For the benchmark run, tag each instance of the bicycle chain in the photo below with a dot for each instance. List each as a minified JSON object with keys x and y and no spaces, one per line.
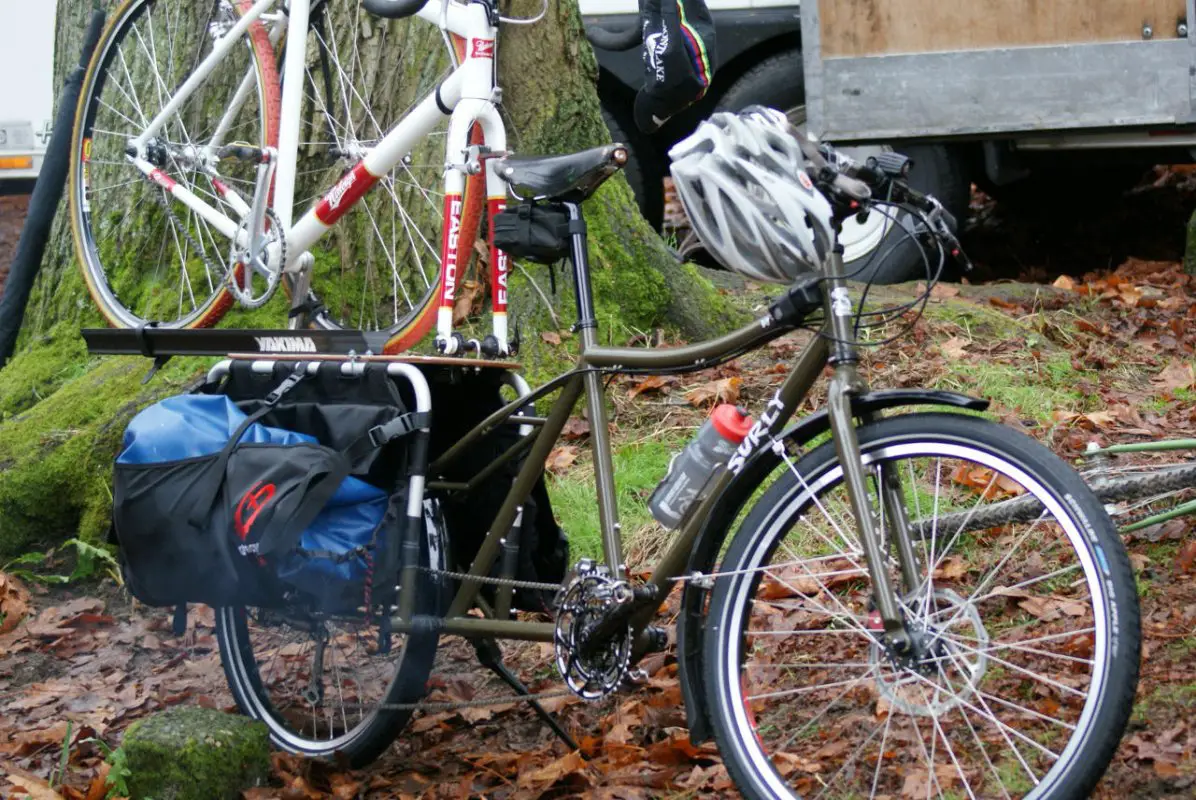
{"x":466,"y":577}
{"x":174,"y":218}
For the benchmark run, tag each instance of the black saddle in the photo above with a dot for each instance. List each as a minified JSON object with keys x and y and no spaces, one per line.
{"x":569,"y":179}
{"x":393,"y":9}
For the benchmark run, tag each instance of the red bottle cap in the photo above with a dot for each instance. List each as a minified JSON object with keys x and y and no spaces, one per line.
{"x":732,"y":423}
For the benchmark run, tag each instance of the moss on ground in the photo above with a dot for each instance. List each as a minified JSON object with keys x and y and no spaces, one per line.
{"x":195,"y":754}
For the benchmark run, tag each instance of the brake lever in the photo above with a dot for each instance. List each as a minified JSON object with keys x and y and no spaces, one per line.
{"x":944,"y":224}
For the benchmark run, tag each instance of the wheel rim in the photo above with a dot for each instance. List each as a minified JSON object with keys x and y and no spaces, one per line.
{"x":377,"y":269}
{"x":270,"y":658}
{"x":753,"y":714}
{"x":143,"y":263}
{"x":858,"y":238}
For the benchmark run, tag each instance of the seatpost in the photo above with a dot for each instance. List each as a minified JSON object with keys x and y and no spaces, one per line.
{"x":846,"y":383}
{"x":587,"y":325}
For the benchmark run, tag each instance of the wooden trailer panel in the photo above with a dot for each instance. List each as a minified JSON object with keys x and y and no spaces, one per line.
{"x":879,"y":70}
{"x":890,"y":27}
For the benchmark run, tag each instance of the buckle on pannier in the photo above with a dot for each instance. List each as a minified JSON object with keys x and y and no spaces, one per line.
{"x":289,"y":383}
{"x":397,"y":427}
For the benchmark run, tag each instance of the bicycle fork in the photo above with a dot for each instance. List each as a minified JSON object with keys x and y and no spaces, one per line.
{"x":846,"y":383}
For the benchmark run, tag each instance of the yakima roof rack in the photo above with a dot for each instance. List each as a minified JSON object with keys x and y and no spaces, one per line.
{"x":165,"y":342}
{"x":162,"y":344}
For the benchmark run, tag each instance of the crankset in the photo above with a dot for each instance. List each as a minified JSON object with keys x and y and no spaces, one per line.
{"x":593,"y":638}
{"x":259,"y":249}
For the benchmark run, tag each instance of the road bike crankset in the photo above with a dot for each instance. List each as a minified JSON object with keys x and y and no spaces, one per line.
{"x":259,"y":248}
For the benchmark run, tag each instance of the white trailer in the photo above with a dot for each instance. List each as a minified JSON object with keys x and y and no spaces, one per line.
{"x":26,"y":87}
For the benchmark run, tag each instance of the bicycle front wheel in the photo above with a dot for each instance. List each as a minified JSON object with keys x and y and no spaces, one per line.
{"x":378,"y":267}
{"x":1027,"y":638}
{"x":146,"y":256}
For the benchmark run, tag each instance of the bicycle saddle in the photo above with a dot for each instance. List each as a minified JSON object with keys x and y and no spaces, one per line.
{"x":393,"y":9}
{"x":571,"y":178}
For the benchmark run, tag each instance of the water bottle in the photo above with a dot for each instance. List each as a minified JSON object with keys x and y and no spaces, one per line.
{"x":690,"y":469}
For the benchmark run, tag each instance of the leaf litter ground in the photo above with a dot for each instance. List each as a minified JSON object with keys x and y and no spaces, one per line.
{"x":1111,"y":349}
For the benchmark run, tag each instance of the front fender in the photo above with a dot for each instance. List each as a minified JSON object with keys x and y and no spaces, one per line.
{"x":727,"y":507}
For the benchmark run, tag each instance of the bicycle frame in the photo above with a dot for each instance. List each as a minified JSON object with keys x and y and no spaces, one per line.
{"x":834,"y":347}
{"x":467,"y":97}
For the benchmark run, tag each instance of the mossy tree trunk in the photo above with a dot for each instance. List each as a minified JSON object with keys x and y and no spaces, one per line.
{"x":61,"y":411}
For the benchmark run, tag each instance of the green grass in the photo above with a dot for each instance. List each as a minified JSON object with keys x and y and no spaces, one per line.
{"x":1179,"y":701}
{"x":1035,"y":393}
{"x":639,"y":467}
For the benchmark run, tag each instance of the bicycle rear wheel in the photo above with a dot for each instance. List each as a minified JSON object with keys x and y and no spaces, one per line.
{"x":1029,"y":639}
{"x":145,"y":256}
{"x":333,"y":684}
{"x":378,"y":268}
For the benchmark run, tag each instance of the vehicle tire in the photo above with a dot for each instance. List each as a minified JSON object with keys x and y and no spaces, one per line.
{"x":145,"y":257}
{"x":877,"y":250}
{"x":279,"y":690}
{"x":642,"y":168}
{"x":1000,"y":717}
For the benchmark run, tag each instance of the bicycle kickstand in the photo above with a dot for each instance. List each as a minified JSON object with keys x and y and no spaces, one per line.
{"x":490,"y":656}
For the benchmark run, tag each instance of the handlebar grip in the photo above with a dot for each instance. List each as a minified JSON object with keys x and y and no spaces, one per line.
{"x":850,"y":187}
{"x":616,"y":41}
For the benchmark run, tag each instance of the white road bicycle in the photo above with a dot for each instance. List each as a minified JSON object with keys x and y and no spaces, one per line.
{"x":211,"y":161}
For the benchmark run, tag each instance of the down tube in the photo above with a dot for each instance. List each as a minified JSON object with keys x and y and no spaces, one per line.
{"x":779,"y":411}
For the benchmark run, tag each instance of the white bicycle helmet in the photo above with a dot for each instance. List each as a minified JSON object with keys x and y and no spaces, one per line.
{"x":742,"y":179}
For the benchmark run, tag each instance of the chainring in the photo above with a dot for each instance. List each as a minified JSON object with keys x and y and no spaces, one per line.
{"x":591,"y":672}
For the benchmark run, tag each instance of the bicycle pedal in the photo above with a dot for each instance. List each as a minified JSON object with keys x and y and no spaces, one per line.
{"x":634,"y":679}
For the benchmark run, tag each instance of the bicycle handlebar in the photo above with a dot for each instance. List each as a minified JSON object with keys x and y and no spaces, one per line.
{"x":617,"y":41}
{"x":843,"y":177}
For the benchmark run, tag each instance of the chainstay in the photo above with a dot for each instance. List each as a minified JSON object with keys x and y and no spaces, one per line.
{"x":1028,"y":509}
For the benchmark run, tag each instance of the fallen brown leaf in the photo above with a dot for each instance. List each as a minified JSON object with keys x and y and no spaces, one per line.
{"x":14,"y":602}
{"x":561,"y":458}
{"x":33,"y":787}
{"x":549,"y":774}
{"x":575,"y":428}
{"x":1186,"y":557}
{"x":951,"y":569}
{"x":652,"y":383}
{"x":469,"y":301}
{"x":954,"y":347}
{"x":721,"y":391}
{"x":550,"y":337}
{"x":1176,"y":375}
{"x":98,"y":788}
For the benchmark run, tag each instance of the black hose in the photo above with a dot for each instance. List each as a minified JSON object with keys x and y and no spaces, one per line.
{"x":44,"y":202}
{"x":617,"y":41}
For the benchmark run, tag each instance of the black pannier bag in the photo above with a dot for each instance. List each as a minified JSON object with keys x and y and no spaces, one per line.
{"x":264,"y":490}
{"x":461,"y":401}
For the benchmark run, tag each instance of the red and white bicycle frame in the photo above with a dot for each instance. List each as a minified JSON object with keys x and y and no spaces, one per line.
{"x":468,"y":97}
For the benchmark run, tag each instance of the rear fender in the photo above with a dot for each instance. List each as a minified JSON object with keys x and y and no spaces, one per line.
{"x":730,"y":503}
